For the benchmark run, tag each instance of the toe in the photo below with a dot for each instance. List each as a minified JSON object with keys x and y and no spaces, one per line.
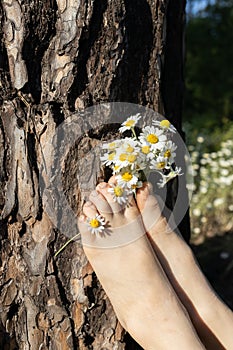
{"x":89,"y":209}
{"x":143,"y":195}
{"x":100,"y":203}
{"x":148,"y":206}
{"x":131,"y":211}
{"x":103,"y":190}
{"x":112,"y":180}
{"x":145,"y":198}
{"x":82,"y":218}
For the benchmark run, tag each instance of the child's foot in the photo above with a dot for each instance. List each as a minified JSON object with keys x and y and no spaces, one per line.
{"x":141,"y":295}
{"x":207,"y":312}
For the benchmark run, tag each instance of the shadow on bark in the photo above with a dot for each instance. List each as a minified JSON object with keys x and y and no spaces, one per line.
{"x":40,"y":30}
{"x":85,"y":45}
{"x":128,"y":80}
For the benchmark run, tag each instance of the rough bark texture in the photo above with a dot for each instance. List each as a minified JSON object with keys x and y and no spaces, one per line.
{"x":56,"y":58}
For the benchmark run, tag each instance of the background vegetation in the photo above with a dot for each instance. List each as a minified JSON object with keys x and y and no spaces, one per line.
{"x":208,"y":123}
{"x":209,"y":78}
{"x":208,"y":112}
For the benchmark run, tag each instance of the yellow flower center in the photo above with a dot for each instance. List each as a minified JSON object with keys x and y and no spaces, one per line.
{"x":152,"y":138}
{"x":167,"y":154}
{"x":112,"y":145}
{"x":129,"y":149}
{"x":116,"y":167}
{"x":145,"y":149}
{"x":94,"y":223}
{"x":132,"y":158}
{"x":160,"y":165}
{"x":130,"y":123}
{"x":118,"y":191}
{"x":127,"y":176}
{"x":123,"y":157}
{"x":111,"y":156}
{"x":165,"y":123}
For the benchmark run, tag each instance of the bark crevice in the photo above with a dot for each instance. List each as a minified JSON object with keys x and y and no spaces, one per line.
{"x":137,"y":45}
{"x":5,"y":83}
{"x":87,"y":39}
{"x":40,"y":28}
{"x":65,"y":302}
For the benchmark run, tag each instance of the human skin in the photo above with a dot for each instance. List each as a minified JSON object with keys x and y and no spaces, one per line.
{"x":210,"y":316}
{"x":139,"y":290}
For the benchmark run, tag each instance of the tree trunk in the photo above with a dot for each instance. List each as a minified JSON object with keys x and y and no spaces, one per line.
{"x":57,"y":58}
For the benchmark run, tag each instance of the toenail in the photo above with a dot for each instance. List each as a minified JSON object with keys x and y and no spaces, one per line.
{"x":82,"y":218}
{"x":102,"y":185}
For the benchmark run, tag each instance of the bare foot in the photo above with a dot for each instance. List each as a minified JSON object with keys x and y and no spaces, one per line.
{"x":143,"y":299}
{"x":212,"y":319}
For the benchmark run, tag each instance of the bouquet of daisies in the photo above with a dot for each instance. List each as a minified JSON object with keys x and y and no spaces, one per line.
{"x":132,"y":158}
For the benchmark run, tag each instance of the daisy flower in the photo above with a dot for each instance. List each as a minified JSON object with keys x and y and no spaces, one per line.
{"x":130,"y":122}
{"x":165,"y":125}
{"x":111,"y":146}
{"x":108,"y":158}
{"x":121,"y":159}
{"x":146,"y":151}
{"x":120,"y":194}
{"x":166,"y":178}
{"x":153,"y":137}
{"x":133,"y":161}
{"x":127,"y":154}
{"x":168,"y":151}
{"x":96,"y":224}
{"x":127,"y":178}
{"x":130,"y":145}
{"x":159,"y":163}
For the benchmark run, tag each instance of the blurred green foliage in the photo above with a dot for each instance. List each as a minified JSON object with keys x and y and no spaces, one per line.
{"x":209,"y":67}
{"x":213,"y":134}
{"x":208,"y":116}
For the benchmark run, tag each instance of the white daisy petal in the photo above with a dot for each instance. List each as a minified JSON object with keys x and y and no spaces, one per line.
{"x":168,"y":151}
{"x":108,"y":158}
{"x":153,"y":137}
{"x":112,"y":145}
{"x":146,"y":151}
{"x":120,"y":194}
{"x":130,"y":122}
{"x":166,"y":178}
{"x":96,"y":225}
{"x":165,"y":125}
{"x":127,"y":178}
{"x":159,"y":163}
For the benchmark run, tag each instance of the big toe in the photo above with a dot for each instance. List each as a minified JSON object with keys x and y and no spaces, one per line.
{"x":148,"y":206}
{"x":145,"y":199}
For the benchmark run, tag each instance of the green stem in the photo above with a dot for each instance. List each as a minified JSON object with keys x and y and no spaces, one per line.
{"x":143,"y":177}
{"x":70,"y":240}
{"x":134,"y":133}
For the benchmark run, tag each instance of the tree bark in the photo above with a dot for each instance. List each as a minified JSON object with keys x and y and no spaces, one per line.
{"x":56,"y":59}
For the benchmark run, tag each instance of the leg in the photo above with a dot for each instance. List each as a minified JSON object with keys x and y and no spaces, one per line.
{"x":131,"y":275}
{"x":212,"y":319}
